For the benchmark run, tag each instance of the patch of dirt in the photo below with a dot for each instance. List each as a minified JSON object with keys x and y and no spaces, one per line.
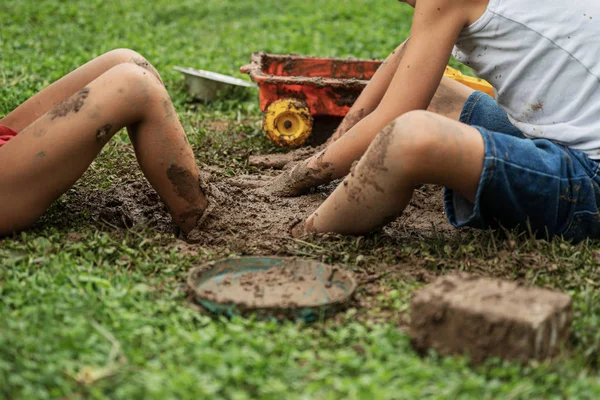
{"x":424,"y":215}
{"x":280,"y":160}
{"x":127,"y":204}
{"x":249,"y":219}
{"x":72,"y":104}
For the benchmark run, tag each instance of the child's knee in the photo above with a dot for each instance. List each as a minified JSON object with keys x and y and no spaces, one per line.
{"x":121,"y":56}
{"x":128,"y":56}
{"x":406,"y":142}
{"x":408,"y":133}
{"x":136,"y":83}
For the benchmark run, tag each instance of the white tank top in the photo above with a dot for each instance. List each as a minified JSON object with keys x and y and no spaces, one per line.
{"x":543,"y":59}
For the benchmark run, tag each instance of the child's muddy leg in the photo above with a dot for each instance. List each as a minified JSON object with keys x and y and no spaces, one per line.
{"x":49,"y":97}
{"x":46,"y":158}
{"x":419,"y":147}
{"x":166,"y":158}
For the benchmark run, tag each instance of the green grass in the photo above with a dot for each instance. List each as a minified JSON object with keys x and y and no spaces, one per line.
{"x":89,"y":311}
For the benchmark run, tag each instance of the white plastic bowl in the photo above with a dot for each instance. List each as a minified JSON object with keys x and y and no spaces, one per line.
{"x":207,"y":85}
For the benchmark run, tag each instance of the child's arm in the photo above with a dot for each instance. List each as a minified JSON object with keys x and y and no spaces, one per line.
{"x":435,"y":28}
{"x":372,"y":94}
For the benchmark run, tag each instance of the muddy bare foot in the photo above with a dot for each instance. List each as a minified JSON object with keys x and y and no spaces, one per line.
{"x":280,"y":160}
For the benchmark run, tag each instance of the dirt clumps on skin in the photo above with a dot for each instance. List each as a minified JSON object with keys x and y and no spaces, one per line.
{"x":349,"y":121}
{"x":185,"y":184}
{"x":142,"y":62}
{"x":102,"y":134}
{"x":486,"y":317}
{"x":72,"y":104}
{"x":371,"y":169}
{"x":300,"y":178}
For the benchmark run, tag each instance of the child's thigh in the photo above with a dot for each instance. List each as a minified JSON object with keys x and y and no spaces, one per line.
{"x":532,"y":184}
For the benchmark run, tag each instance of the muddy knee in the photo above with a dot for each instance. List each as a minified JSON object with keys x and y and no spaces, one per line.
{"x":123,"y":56}
{"x":137,"y":84}
{"x":403,"y":144}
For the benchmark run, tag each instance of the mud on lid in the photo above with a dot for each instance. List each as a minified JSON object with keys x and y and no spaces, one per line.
{"x":271,"y":287}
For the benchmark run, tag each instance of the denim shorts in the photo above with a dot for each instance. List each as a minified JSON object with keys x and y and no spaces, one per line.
{"x":527,"y":184}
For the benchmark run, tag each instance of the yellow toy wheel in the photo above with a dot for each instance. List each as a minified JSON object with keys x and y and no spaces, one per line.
{"x":288,"y":122}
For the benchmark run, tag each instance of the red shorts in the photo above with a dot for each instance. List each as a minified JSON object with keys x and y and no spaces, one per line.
{"x":6,"y":134}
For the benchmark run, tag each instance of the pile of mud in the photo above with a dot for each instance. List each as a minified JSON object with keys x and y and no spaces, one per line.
{"x":251,"y":220}
{"x":127,"y":204}
{"x":242,"y":219}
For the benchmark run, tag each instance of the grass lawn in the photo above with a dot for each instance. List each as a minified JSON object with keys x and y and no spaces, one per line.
{"x":93,"y":310}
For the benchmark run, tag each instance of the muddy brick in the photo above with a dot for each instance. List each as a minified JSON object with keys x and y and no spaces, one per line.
{"x":484,"y":317}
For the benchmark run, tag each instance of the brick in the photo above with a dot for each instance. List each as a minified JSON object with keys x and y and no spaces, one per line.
{"x":483,"y":317}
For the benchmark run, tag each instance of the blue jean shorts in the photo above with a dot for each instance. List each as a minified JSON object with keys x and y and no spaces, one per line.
{"x":527,"y":184}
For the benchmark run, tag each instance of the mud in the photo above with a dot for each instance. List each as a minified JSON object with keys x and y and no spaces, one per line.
{"x":131,"y":203}
{"x":168,"y":108}
{"x":300,"y":178}
{"x":103,"y":133}
{"x":280,"y":160}
{"x":485,"y":317}
{"x":242,"y":216}
{"x":349,"y":121}
{"x":184,"y":183}
{"x":247,"y":220}
{"x":72,"y":104}
{"x":372,"y":168}
{"x":344,"y":97}
{"x":142,"y":62}
{"x":278,"y":287}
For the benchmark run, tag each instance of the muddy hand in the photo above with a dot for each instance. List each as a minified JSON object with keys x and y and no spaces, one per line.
{"x":280,"y":160}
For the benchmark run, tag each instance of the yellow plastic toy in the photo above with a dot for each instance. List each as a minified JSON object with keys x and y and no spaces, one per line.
{"x":474,"y":83}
